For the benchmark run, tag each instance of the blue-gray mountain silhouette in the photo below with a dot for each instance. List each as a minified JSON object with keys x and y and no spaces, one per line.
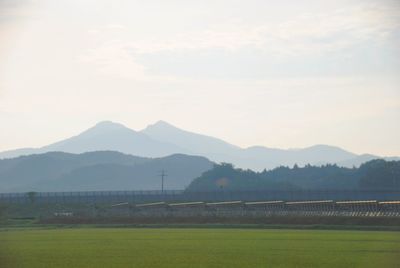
{"x":162,"y":139}
{"x":102,"y":170}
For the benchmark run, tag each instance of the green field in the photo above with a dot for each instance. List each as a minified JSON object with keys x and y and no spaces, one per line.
{"x":130,"y":247}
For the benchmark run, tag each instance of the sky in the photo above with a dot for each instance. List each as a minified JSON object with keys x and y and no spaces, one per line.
{"x":281,"y":74}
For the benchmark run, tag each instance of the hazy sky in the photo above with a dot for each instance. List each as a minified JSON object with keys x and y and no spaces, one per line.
{"x":275,"y":73}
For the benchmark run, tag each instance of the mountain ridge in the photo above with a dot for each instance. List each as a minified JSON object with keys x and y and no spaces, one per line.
{"x":162,"y":139}
{"x":101,"y":170}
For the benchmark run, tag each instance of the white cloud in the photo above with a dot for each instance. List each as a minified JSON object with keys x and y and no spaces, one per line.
{"x":304,"y":35}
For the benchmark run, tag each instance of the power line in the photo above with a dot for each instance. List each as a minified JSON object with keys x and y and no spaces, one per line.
{"x":162,"y":175}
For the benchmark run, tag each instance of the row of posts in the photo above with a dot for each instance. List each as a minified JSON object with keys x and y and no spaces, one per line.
{"x":180,"y":195}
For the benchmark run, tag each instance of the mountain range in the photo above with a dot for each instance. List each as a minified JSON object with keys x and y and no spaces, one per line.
{"x":101,"y":170}
{"x":162,"y":139}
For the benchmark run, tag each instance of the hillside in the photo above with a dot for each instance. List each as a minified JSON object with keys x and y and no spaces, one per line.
{"x":107,"y":170}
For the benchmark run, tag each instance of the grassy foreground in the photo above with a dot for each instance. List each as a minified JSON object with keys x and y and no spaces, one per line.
{"x":120,"y":247}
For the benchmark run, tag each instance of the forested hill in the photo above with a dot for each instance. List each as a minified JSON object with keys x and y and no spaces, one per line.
{"x":93,"y":171}
{"x":375,"y":174}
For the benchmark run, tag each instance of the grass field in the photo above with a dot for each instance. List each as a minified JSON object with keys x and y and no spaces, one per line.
{"x":129,"y":247}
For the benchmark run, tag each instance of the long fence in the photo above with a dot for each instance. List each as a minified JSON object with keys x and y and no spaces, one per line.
{"x":95,"y":197}
{"x":238,"y":211}
{"x":365,"y":208}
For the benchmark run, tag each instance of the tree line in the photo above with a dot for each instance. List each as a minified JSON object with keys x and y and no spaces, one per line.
{"x":373,"y":175}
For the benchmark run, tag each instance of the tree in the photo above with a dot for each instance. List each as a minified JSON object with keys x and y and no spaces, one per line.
{"x":380,"y":174}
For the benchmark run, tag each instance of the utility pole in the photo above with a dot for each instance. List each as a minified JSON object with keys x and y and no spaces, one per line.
{"x":162,"y":175}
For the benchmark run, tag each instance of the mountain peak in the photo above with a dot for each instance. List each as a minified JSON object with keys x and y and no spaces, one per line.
{"x":161,"y":123}
{"x":108,"y":124}
{"x":103,"y":128}
{"x":325,"y":147}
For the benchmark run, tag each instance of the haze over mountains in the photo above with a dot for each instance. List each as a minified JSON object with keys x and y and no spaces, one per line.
{"x":162,"y":139}
{"x":94,"y":171}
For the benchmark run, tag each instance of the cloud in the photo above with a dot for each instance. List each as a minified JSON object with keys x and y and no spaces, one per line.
{"x":304,"y":35}
{"x":307,"y":33}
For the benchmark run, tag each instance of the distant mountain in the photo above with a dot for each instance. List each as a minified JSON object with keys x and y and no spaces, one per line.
{"x":198,"y":144}
{"x":112,"y":136}
{"x":202,"y":144}
{"x":106,"y":135}
{"x":107,"y":170}
{"x":258,"y":157}
{"x":361,"y":159}
{"x":18,"y":152}
{"x":255,"y":157}
{"x":162,"y":139}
